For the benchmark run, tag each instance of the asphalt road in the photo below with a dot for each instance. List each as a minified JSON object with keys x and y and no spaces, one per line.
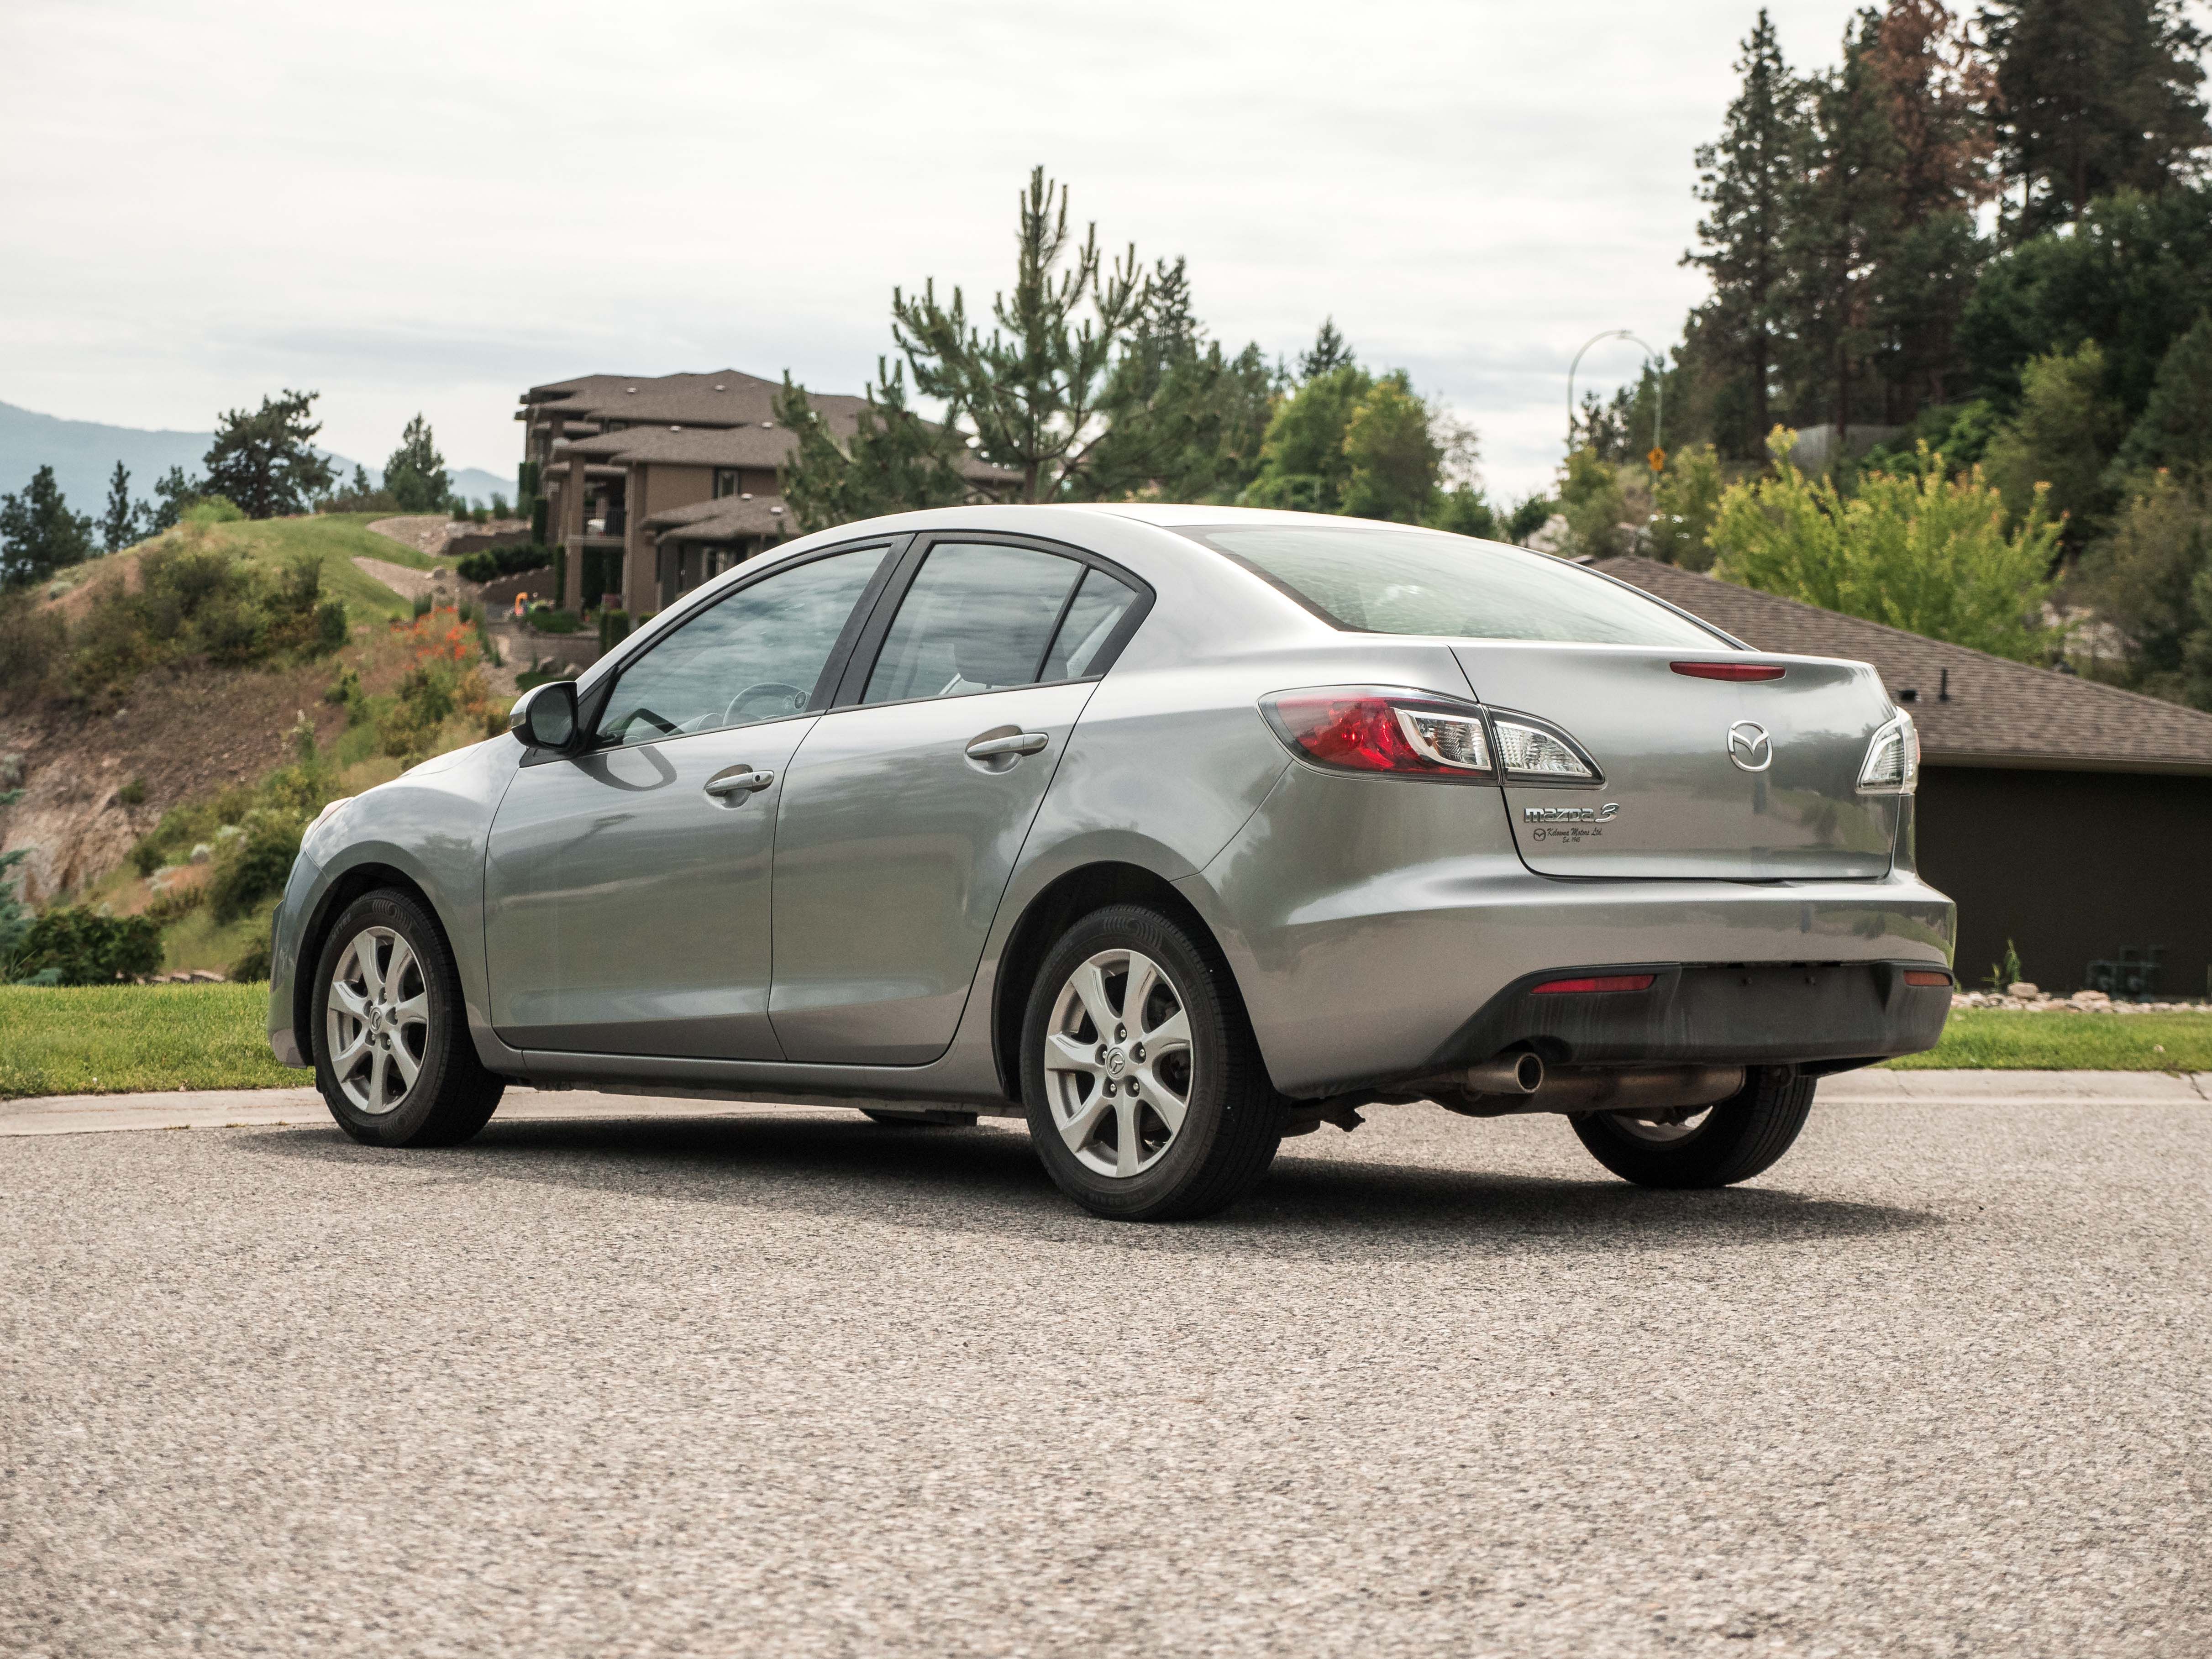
{"x":788,"y":1383}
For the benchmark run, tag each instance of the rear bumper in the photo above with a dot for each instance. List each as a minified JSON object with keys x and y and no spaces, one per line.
{"x":1824,"y":1015}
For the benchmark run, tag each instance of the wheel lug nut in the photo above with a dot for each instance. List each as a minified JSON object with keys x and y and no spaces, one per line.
{"x":1120,"y":1033}
{"x":1109,"y":1088}
{"x":1137,"y":1053}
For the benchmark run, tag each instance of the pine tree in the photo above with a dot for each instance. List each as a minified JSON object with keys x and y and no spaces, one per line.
{"x":1937,"y":90}
{"x":39,"y":534}
{"x":1039,"y":392}
{"x":2094,"y":96}
{"x":1190,"y":417}
{"x":894,"y":462}
{"x":415,"y":473}
{"x":1745,"y":179}
{"x":2175,"y":429}
{"x":264,"y":463}
{"x":124,"y":522}
{"x":172,"y":493}
{"x":1842,"y":217}
{"x":1329,"y":352}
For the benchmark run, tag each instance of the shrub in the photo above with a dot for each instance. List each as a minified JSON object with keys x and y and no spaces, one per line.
{"x":213,"y":509}
{"x":1924,"y":552}
{"x":549,"y":620}
{"x":490,"y":563}
{"x":256,"y":865}
{"x":253,"y":966}
{"x":70,"y":946}
{"x":132,"y":793}
{"x":172,"y":903}
{"x":33,"y":641}
{"x":1687,"y":494}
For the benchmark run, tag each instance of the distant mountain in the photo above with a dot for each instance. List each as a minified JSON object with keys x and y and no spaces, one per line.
{"x":83,"y":454}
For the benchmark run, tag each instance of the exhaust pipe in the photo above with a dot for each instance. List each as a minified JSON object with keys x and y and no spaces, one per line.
{"x":1507,"y":1074}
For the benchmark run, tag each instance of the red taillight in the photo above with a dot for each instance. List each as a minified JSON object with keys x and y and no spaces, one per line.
{"x":1729,"y":670}
{"x":1551,"y":987}
{"x":1925,"y":976}
{"x":1360,"y":732}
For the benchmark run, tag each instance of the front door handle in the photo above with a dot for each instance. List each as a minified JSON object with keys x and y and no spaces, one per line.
{"x":1014,"y":743}
{"x":738,"y":780}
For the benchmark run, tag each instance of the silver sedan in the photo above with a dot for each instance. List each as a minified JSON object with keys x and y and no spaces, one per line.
{"x":1177,"y":830}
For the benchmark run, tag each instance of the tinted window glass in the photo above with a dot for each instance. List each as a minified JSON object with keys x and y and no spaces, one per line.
{"x":977,"y":619}
{"x":753,"y":657}
{"x":1100,"y":605}
{"x":1420,"y":581}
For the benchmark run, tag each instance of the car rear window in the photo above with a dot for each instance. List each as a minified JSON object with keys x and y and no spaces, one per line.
{"x":1423,"y":582}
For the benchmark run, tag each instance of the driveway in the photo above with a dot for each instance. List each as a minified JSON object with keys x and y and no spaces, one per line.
{"x":777,"y":1381}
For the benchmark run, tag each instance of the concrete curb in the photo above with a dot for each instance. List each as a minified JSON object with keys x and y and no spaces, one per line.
{"x":239,"y":1108}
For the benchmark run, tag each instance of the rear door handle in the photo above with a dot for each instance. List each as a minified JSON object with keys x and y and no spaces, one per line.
{"x":738,"y":780}
{"x":1016,"y":742}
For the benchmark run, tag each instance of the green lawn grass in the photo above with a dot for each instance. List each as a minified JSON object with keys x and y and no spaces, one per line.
{"x":115,"y":1039}
{"x":2008,"y":1039}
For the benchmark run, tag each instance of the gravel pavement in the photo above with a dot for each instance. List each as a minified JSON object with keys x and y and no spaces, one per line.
{"x":781,"y":1382}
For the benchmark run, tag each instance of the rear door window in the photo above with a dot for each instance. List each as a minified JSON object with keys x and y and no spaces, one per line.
{"x":978,"y":617}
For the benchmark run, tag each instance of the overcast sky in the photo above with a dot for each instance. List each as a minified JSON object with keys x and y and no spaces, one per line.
{"x":413,"y":206}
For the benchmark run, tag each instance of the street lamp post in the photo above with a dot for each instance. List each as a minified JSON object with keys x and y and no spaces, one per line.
{"x":1659,"y":407}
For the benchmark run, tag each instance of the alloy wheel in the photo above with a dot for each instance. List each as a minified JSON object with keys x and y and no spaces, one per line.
{"x":1118,"y":1062}
{"x":379,"y":1020}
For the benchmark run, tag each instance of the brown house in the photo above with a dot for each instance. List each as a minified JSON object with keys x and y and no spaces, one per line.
{"x":651,"y":484}
{"x":2071,"y":819}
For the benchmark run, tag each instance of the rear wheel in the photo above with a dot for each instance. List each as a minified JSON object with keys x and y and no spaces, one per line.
{"x":1146,"y":1095}
{"x":393,"y":1059}
{"x":1715,"y":1146}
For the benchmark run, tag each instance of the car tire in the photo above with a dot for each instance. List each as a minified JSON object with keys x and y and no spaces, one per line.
{"x":388,"y":997}
{"x":1739,"y":1137}
{"x":1192,"y":1120}
{"x":932,"y":1118}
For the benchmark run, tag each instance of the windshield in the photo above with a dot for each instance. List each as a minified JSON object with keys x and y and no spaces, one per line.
{"x":1423,"y":582}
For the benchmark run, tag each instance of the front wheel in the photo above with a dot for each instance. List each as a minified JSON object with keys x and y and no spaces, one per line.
{"x":1714,"y":1147}
{"x":1147,"y":1097}
{"x":393,"y":1058}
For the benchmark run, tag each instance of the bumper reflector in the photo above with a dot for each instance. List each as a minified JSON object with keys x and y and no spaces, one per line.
{"x":1925,"y":976}
{"x":1599,"y":983}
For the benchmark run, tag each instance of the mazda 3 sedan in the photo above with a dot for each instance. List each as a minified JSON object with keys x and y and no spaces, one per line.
{"x":1174,"y":829}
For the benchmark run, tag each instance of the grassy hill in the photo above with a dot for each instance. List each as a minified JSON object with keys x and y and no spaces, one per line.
{"x":200,"y":697}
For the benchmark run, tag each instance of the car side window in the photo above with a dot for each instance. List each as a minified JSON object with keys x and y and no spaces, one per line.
{"x":978,"y":618}
{"x":1100,"y":605}
{"x":754,"y":656}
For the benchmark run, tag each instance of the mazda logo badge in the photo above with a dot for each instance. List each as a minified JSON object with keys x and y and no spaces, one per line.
{"x":1749,"y":746}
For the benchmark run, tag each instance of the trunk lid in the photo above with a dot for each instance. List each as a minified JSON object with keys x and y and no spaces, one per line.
{"x":1674,"y":803}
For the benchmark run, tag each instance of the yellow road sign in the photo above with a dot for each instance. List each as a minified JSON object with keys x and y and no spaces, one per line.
{"x":1657,"y":457}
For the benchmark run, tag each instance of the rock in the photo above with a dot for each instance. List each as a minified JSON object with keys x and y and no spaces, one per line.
{"x":202,"y":853}
{"x":11,"y":770}
{"x":229,"y":832}
{"x":205,"y":976}
{"x":2024,"y":989}
{"x":68,"y":825}
{"x":2091,"y":1000}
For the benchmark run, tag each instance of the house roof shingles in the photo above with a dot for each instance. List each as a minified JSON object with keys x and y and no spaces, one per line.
{"x":730,"y":518}
{"x":1999,"y":713}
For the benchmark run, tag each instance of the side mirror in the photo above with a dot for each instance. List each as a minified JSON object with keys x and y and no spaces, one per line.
{"x":544,"y":717}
